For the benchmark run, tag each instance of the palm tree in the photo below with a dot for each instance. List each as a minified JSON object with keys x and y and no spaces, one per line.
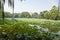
{"x":2,"y":2}
{"x":10,"y":3}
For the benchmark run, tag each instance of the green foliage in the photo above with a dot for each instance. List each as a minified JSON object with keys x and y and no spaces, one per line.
{"x":0,"y":4}
{"x":22,"y":31}
{"x":16,"y":15}
{"x":7,"y":15}
{"x":51,"y":14}
{"x":52,"y":25}
{"x":44,"y":14}
{"x":1,"y":21}
{"x":0,"y":13}
{"x":35,"y":15}
{"x":25,"y":15}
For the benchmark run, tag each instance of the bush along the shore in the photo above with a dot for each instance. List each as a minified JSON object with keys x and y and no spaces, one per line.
{"x":25,"y":31}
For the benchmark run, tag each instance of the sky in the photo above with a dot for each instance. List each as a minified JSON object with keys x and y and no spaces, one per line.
{"x":31,"y":5}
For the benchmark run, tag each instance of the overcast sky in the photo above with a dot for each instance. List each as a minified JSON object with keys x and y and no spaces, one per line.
{"x":31,"y":5}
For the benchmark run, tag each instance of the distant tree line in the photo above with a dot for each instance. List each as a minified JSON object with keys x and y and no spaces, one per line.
{"x":53,"y":14}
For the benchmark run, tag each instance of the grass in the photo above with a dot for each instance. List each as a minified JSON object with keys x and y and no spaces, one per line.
{"x":14,"y":30}
{"x":52,"y":25}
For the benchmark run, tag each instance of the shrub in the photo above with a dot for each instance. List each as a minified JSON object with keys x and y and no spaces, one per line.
{"x":22,"y":31}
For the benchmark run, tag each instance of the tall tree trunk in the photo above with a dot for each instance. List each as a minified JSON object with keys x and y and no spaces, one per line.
{"x":3,"y":12}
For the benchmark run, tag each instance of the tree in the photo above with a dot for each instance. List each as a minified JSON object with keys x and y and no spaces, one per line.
{"x":44,"y":14}
{"x":51,"y":14}
{"x":10,"y":3}
{"x":2,"y":2}
{"x":0,"y":10}
{"x":41,"y":15}
{"x":25,"y":15}
{"x":8,"y":15}
{"x":16,"y":15}
{"x":58,"y":18}
{"x":35,"y":15}
{"x":54,"y":13}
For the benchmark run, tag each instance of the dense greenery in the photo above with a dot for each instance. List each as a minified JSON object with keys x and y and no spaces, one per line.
{"x":25,"y":27}
{"x":53,"y":14}
{"x":23,"y":31}
{"x":52,"y":25}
